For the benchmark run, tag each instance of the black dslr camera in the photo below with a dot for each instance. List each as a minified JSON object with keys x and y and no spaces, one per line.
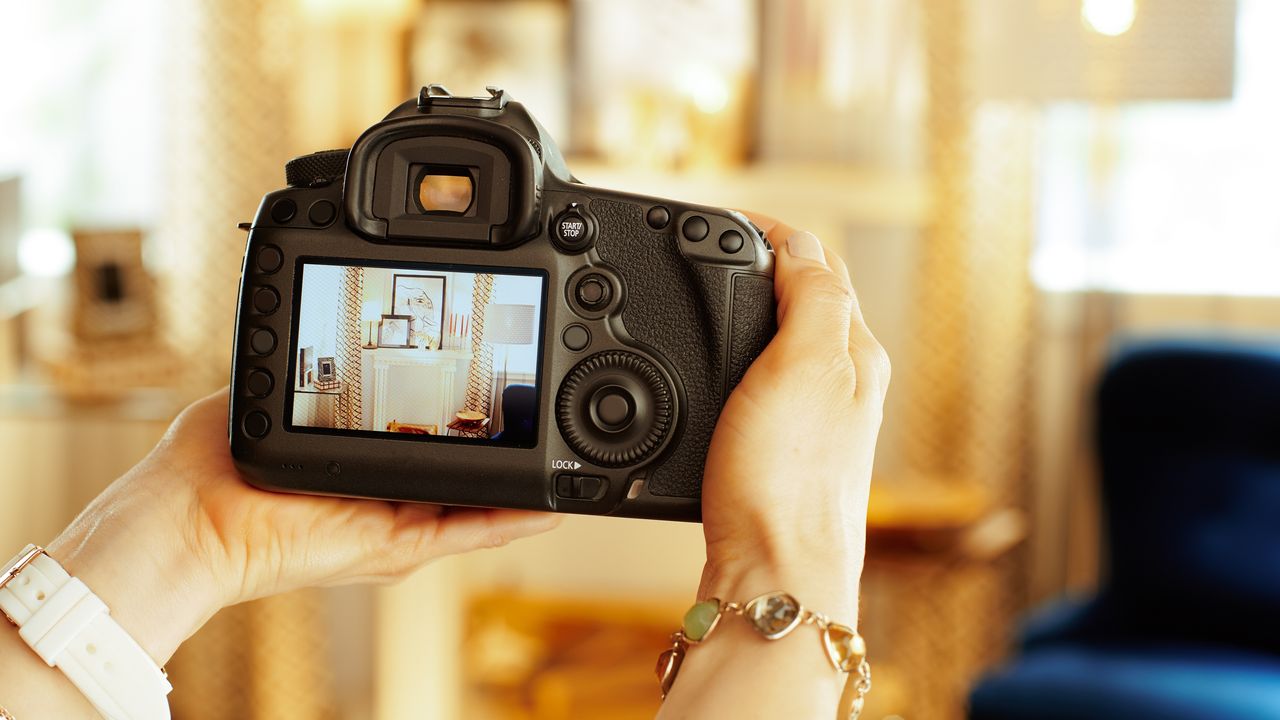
{"x":444,"y":314}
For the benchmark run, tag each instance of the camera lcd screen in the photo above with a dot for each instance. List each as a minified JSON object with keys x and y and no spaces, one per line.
{"x":422,"y":351}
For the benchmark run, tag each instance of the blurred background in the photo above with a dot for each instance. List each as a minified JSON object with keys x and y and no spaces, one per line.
{"x":1019,"y":186}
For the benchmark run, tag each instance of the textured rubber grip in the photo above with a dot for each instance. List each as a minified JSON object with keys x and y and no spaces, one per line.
{"x":317,"y":168}
{"x":707,"y":322}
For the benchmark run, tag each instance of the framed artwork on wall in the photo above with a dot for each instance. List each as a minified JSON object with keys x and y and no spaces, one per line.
{"x":421,"y":298}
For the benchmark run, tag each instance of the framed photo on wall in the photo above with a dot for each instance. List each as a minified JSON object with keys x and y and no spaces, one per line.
{"x":421,"y":298}
{"x":393,"y":331}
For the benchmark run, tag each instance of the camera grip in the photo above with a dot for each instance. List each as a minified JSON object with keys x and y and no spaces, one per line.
{"x":708,"y":322}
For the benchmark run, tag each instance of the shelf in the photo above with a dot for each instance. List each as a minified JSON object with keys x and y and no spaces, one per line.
{"x":795,"y":191}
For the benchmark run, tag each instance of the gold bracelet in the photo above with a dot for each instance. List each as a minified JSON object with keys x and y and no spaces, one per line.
{"x":774,"y":615}
{"x":4,"y":714}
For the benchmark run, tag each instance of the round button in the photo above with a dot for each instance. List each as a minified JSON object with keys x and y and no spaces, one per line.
{"x":262,"y":341}
{"x":259,"y":383}
{"x":283,"y":210}
{"x":731,"y":241}
{"x":270,"y":259}
{"x":593,"y":292}
{"x":256,"y":424}
{"x":322,"y":213}
{"x":576,"y":337}
{"x":657,"y":217}
{"x":695,"y":229}
{"x":266,"y":300}
{"x":612,"y":408}
{"x":332,"y":469}
{"x":572,"y":230}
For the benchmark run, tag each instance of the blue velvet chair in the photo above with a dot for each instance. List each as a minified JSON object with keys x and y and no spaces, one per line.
{"x":1186,"y":625}
{"x":518,"y":403}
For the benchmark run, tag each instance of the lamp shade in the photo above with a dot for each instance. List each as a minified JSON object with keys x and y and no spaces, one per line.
{"x":371,"y":310}
{"x":508,"y":324}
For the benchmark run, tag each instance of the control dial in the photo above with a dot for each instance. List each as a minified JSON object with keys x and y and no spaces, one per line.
{"x":614,"y":408}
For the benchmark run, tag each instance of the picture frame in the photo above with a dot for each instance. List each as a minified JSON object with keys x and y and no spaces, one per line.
{"x":114,"y":293}
{"x":326,"y":369}
{"x":422,"y":299}
{"x":394,"y":332}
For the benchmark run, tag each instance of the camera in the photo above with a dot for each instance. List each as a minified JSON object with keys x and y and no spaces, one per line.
{"x":445,"y":314}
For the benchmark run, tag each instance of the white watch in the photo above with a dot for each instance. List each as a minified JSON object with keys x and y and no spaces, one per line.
{"x":70,"y":629}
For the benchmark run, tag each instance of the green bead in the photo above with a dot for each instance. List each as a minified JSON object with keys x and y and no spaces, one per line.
{"x":700,"y":618}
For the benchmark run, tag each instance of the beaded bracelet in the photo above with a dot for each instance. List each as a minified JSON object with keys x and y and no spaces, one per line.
{"x":774,"y":615}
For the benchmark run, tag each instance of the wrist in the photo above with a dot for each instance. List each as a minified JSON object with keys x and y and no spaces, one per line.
{"x":138,"y":563}
{"x":827,"y":583}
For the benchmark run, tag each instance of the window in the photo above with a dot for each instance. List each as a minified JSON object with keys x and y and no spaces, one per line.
{"x":1175,"y":197}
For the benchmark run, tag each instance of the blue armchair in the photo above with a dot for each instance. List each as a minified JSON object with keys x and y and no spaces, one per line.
{"x":1187,"y":624}
{"x":518,"y":403}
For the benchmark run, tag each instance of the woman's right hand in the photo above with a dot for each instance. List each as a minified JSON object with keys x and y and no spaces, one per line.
{"x":784,"y":496}
{"x":789,"y":469}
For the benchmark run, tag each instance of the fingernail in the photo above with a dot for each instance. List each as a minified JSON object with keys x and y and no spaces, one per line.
{"x":806,"y":246}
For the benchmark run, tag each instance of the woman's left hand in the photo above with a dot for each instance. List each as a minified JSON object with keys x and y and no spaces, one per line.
{"x":181,"y":535}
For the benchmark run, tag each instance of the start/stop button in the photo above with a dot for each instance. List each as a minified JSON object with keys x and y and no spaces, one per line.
{"x":573,"y":229}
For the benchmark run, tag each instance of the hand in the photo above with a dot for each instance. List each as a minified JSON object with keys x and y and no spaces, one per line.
{"x":182,"y":535}
{"x":784,"y":497}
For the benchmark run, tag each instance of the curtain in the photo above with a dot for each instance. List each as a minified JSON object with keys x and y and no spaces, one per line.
{"x":226,"y":143}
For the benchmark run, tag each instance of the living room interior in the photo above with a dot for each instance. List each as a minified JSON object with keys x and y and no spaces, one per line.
{"x":415,"y":340}
{"x":1058,"y":216}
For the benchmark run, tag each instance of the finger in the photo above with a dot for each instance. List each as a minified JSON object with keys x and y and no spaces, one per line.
{"x":871,"y":363}
{"x":463,"y":529}
{"x":814,"y":302}
{"x":869,"y":357}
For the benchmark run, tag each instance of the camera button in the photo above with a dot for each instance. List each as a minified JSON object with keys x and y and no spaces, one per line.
{"x":731,"y":241}
{"x":266,"y":300}
{"x":256,"y":424}
{"x":322,"y":213}
{"x":576,"y":337}
{"x":572,"y":230}
{"x":259,"y":383}
{"x":696,"y":229}
{"x":262,"y":341}
{"x":657,"y":217}
{"x":270,"y":259}
{"x":613,"y":408}
{"x":593,"y":292}
{"x":283,"y":210}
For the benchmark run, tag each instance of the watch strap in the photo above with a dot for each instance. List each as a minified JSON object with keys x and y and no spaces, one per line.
{"x":71,"y":628}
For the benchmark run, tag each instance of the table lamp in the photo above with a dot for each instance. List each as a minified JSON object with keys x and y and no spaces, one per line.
{"x":370,"y":311}
{"x":508,"y":324}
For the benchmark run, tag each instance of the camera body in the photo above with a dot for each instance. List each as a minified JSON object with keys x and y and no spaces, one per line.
{"x":444,"y":314}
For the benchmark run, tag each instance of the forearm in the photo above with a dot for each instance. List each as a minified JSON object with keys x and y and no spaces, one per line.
{"x":738,"y":673}
{"x":30,"y":689}
{"x":151,"y":588}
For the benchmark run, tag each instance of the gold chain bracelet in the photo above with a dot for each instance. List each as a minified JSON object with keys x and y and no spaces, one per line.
{"x":774,"y":615}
